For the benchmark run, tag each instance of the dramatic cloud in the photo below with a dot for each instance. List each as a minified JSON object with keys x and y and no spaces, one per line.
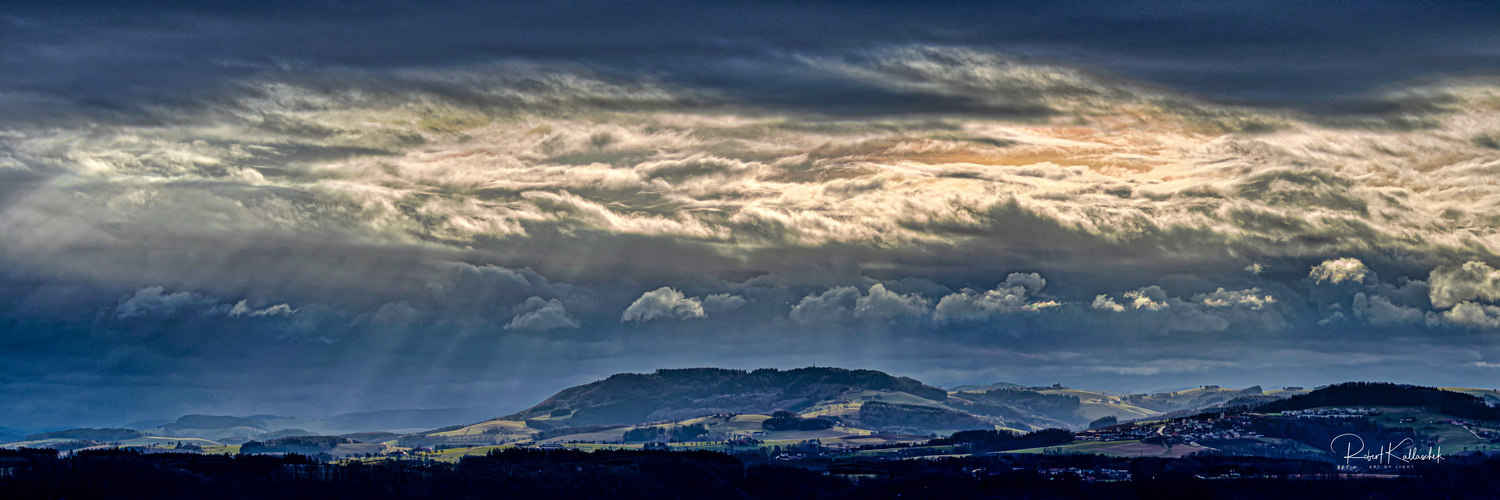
{"x":790,"y":198}
{"x":663,"y":303}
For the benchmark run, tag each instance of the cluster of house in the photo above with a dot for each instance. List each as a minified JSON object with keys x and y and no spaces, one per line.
{"x":1493,"y":436}
{"x":1087,"y":475}
{"x":1332,"y":413}
{"x":1121,"y":433}
{"x":1177,"y":431}
{"x":1216,"y":429}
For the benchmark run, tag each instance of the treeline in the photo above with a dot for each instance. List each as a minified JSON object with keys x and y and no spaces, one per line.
{"x":653,"y":474}
{"x":295,"y":444}
{"x":1387,"y":394}
{"x":987,"y":441}
{"x":675,"y":433}
{"x":788,"y":421}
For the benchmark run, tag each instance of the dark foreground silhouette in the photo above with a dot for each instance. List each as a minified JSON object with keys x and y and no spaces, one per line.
{"x":531,"y":474}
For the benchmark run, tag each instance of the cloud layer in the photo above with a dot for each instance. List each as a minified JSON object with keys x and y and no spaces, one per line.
{"x":556,"y":216}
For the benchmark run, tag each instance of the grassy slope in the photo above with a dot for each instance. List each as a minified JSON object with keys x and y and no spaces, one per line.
{"x":1097,"y":404}
{"x":503,"y":429}
{"x":1481,"y":393}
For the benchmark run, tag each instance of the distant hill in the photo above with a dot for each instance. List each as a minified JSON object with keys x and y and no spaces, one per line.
{"x":372,"y":437}
{"x":103,"y":435}
{"x":223,"y":428}
{"x":686,"y":393}
{"x":982,"y":388}
{"x":382,"y":420}
{"x":233,"y":429}
{"x":682,"y":393}
{"x":213,"y":422}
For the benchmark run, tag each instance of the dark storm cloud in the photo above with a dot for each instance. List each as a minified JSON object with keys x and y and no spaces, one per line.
{"x":109,"y":58}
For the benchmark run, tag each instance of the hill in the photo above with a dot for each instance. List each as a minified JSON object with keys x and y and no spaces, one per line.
{"x":105,"y":435}
{"x":1383,"y":394}
{"x":631,"y":398}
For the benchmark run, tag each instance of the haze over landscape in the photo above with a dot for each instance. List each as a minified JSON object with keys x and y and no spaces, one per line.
{"x":323,"y":209}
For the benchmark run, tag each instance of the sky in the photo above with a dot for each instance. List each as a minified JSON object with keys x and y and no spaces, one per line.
{"x":309,"y":208}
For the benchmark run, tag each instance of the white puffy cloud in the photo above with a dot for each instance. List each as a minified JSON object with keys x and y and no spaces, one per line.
{"x":834,"y":305}
{"x":846,"y":303}
{"x":1338,"y":271}
{"x":1467,"y":315}
{"x":880,"y":303}
{"x":1251,"y":299}
{"x":1451,"y":285}
{"x":663,"y":303}
{"x":1011,"y":296}
{"x":242,"y":308}
{"x":1105,"y":303}
{"x":1151,"y":307}
{"x":541,"y":314}
{"x":1151,"y":298}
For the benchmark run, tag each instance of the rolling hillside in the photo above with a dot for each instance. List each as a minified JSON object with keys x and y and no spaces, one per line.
{"x":632,"y":398}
